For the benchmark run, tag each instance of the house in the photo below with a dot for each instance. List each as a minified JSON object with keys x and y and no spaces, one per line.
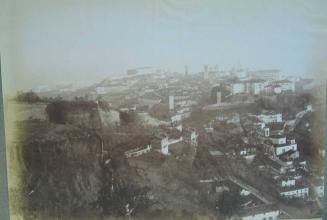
{"x":138,"y":151}
{"x":264,"y":212}
{"x":256,"y":86}
{"x":248,"y":152}
{"x":278,"y":139}
{"x":294,"y":191}
{"x":287,"y":181}
{"x":280,"y":149}
{"x":252,"y":86}
{"x":281,"y":145}
{"x":270,"y":117}
{"x":286,"y":85}
{"x":165,"y":143}
{"x":180,"y":101}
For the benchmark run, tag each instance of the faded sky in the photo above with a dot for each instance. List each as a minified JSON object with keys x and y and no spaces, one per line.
{"x":49,"y":42}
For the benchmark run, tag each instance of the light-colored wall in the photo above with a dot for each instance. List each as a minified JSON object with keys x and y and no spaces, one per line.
{"x":261,"y":216}
{"x":286,"y":148}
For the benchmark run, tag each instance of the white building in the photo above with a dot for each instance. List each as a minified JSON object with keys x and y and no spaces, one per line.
{"x":287,"y":182}
{"x":257,"y":86}
{"x":296,"y":191}
{"x":138,"y":151}
{"x":164,"y":146}
{"x":194,"y":138}
{"x":282,"y":146}
{"x":270,"y":118}
{"x":165,"y":143}
{"x":285,"y":85}
{"x":253,"y":86}
{"x":266,"y":212}
{"x":278,"y":140}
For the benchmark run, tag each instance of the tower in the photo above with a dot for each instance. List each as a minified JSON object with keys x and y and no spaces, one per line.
{"x":218,"y":97}
{"x":171,"y":103}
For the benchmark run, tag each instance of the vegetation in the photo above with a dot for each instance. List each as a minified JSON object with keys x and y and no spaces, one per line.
{"x":58,"y":111}
{"x":127,"y":117}
{"x":229,"y":203}
{"x":29,"y":97}
{"x":123,"y":199}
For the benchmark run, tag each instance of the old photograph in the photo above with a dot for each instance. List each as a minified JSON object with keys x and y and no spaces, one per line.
{"x":164,"y":109}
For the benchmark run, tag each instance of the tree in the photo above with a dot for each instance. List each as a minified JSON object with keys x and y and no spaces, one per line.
{"x":123,"y":199}
{"x":229,"y":203}
{"x":29,"y":97}
{"x":127,"y":117}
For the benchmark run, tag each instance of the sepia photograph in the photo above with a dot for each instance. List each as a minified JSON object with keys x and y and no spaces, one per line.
{"x":164,"y":109}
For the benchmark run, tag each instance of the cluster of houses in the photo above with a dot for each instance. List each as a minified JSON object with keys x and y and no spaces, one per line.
{"x":284,"y":161}
{"x":260,"y":86}
{"x":181,"y":101}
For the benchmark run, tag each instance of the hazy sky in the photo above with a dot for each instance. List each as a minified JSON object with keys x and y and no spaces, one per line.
{"x":56,"y":41}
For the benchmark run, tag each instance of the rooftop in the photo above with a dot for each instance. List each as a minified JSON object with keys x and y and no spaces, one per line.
{"x":293,"y":188}
{"x":283,"y":81}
